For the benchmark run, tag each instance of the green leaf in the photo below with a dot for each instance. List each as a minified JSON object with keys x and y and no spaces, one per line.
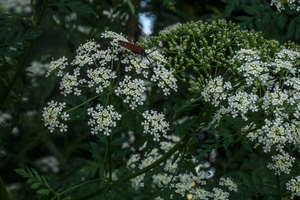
{"x":35,"y":185}
{"x":226,"y":143}
{"x":121,"y":154}
{"x":37,"y":180}
{"x":166,"y":110}
{"x":70,"y":101}
{"x":176,"y":107}
{"x":78,"y":113}
{"x":246,"y":145}
{"x":127,"y":121}
{"x":44,"y":191}
{"x":102,"y":138}
{"x":96,"y":151}
{"x":74,"y":6}
{"x":14,"y":38}
{"x":120,"y":141}
{"x":203,"y":152}
{"x":281,"y":20}
{"x":210,"y":141}
{"x":116,"y":130}
{"x":291,"y":29}
{"x":231,"y":5}
{"x":91,"y":168}
{"x":11,"y":33}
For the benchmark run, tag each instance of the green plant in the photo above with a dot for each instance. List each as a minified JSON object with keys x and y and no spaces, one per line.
{"x":211,"y":111}
{"x":238,"y":89}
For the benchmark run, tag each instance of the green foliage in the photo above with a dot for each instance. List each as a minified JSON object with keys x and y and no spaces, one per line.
{"x":258,"y":15}
{"x":16,"y":40}
{"x":36,"y":180}
{"x":87,"y":161}
{"x":71,"y":7}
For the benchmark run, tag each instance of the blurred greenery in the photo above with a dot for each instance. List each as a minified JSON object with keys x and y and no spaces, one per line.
{"x":31,"y":37}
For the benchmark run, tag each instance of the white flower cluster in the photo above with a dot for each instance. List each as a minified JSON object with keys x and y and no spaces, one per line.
{"x":86,"y":54}
{"x":181,"y":184}
{"x":282,"y":163}
{"x":100,"y":78}
{"x":103,"y":119}
{"x":274,"y":99}
{"x":137,"y":182}
{"x":241,"y":103}
{"x":135,"y":62}
{"x":220,"y":194}
{"x":280,"y":4}
{"x":133,"y":90}
{"x":68,"y":82}
{"x":155,"y":124}
{"x":114,"y":36}
{"x":185,"y":182}
{"x":275,"y":133}
{"x":262,"y":93}
{"x":252,"y":68}
{"x":164,"y":77}
{"x":59,"y":65}
{"x":228,"y":182}
{"x":51,"y":116}
{"x":216,"y":91}
{"x":294,"y":186}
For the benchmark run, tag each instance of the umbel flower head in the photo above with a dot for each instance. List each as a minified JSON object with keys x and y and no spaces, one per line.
{"x":241,"y":77}
{"x":95,"y":70}
{"x":103,"y":119}
{"x":235,"y":74}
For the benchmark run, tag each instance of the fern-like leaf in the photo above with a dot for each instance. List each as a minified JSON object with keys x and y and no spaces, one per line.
{"x":14,"y":40}
{"x":73,"y":6}
{"x":36,"y":179}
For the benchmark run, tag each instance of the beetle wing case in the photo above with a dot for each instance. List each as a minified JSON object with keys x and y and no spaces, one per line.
{"x":132,"y":47}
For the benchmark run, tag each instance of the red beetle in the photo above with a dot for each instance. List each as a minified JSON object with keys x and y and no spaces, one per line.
{"x":133,"y":47}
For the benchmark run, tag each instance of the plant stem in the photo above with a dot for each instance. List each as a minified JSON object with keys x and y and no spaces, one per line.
{"x":177,"y":147}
